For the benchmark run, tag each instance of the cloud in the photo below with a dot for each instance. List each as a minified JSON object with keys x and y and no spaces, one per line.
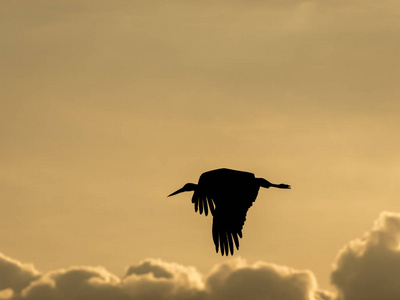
{"x":238,"y":280}
{"x":14,"y":274}
{"x":156,"y":279}
{"x":369,"y":267}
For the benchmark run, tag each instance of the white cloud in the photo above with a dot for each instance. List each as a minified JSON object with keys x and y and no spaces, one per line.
{"x":369,"y":267}
{"x":238,"y":280}
{"x":156,"y":279}
{"x":14,"y":274}
{"x":75,"y":283}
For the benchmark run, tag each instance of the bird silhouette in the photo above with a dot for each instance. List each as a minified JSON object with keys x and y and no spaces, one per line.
{"x":227,"y":194}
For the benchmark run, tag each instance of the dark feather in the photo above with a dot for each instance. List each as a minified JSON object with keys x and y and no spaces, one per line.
{"x":201,"y":205}
{"x":205,"y":206}
{"x":227,"y":195}
{"x":232,"y":197}
{"x":235,"y":237}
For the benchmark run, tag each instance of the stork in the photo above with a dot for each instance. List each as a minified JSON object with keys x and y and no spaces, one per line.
{"x":228,"y":195}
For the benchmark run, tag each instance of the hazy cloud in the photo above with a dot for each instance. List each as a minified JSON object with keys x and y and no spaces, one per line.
{"x":75,"y":283}
{"x":156,"y":279}
{"x":369,"y":267}
{"x":237,"y":280}
{"x":14,"y":274}
{"x":148,"y":267}
{"x":366,"y":268}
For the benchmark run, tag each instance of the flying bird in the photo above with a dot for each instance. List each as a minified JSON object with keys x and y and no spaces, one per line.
{"x":227,"y":194}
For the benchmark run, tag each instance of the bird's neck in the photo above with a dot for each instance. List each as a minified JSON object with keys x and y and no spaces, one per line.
{"x":263,"y":183}
{"x":191,"y":187}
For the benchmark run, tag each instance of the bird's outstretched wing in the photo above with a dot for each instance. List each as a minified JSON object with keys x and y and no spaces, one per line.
{"x":203,"y":202}
{"x":228,"y":222}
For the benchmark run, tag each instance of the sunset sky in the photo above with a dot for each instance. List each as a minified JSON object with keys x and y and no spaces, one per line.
{"x":109,"y":106}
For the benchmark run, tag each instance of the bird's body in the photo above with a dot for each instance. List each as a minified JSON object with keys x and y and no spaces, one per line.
{"x":227,"y":194}
{"x":223,"y":186}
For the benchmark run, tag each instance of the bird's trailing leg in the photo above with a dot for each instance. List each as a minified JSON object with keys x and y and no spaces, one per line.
{"x":281,"y":186}
{"x":266,"y":184}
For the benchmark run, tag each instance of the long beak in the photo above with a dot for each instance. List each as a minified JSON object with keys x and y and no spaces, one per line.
{"x":177,"y":192}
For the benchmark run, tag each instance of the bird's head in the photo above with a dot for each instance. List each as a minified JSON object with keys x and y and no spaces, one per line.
{"x":186,"y":188}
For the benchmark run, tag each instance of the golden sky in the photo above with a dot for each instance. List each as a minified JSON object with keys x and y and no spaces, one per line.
{"x":109,"y":106}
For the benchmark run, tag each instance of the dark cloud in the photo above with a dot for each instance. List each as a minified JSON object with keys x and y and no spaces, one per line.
{"x":146,"y":267}
{"x":75,"y":283}
{"x":156,"y":279}
{"x":324,"y":295}
{"x":15,"y":275}
{"x":237,"y":280}
{"x":365,"y":269}
{"x":369,"y":268}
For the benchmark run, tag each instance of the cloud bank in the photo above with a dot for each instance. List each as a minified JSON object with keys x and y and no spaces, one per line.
{"x":367,"y":268}
{"x":156,"y":279}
